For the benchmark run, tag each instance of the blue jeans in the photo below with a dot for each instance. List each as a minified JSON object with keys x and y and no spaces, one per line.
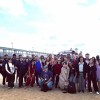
{"x":72,"y":78}
{"x":50,"y":84}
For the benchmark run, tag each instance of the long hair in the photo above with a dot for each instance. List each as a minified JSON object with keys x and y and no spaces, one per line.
{"x":80,"y":58}
{"x":94,"y":60}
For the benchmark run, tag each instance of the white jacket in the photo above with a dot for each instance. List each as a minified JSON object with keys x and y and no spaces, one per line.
{"x":12,"y":68}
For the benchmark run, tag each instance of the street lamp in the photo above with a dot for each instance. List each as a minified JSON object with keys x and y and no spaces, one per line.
{"x":12,"y":47}
{"x":33,"y":48}
{"x":45,"y":50}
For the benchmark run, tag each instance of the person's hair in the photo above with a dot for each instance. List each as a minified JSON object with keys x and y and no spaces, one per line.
{"x":14,"y":55}
{"x":87,"y":54}
{"x":64,"y":62}
{"x":73,"y":52}
{"x":9,"y":59}
{"x":41,"y":57}
{"x":91,"y":59}
{"x":5,"y":55}
{"x":97,"y":57}
{"x":94,"y":60}
{"x":80,"y":58}
{"x":31,"y":63}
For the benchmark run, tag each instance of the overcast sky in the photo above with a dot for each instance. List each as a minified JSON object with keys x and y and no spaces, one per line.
{"x":50,"y":25}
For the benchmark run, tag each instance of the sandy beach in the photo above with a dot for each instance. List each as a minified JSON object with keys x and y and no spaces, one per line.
{"x":35,"y":94}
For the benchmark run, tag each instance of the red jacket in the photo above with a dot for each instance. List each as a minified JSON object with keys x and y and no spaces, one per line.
{"x":57,"y":68}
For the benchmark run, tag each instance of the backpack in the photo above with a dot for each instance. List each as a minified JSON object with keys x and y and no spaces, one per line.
{"x":71,"y":88}
{"x":44,"y":87}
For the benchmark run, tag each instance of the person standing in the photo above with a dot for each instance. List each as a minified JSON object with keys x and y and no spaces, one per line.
{"x":57,"y":71}
{"x":91,"y":73}
{"x":72,"y":74}
{"x":81,"y":73}
{"x":27,"y":63}
{"x":21,"y":71}
{"x":10,"y":69}
{"x":64,"y":75}
{"x":98,"y":73}
{"x":14,"y":62}
{"x":4,"y":62}
{"x":38,"y":69}
{"x":31,"y":74}
{"x":87,"y":60}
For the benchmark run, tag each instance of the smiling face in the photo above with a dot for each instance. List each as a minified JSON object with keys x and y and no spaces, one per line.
{"x":65,"y":64}
{"x":81,"y":59}
{"x":21,"y":59}
{"x":91,"y":61}
{"x":87,"y":56}
{"x":59,"y":61}
{"x":10,"y":60}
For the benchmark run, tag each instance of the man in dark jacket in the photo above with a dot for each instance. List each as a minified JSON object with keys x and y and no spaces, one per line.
{"x":4,"y":62}
{"x":21,"y":70}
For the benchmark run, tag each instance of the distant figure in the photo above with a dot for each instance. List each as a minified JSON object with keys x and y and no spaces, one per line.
{"x":72,"y":74}
{"x":31,"y":74}
{"x":64,"y":75}
{"x":38,"y":69}
{"x":10,"y":69}
{"x":57,"y":71}
{"x":91,"y":72}
{"x":81,"y":73}
{"x":21,"y":71}
{"x":14,"y":62}
{"x":45,"y":81}
{"x":27,"y":63}
{"x":98,"y":73}
{"x":4,"y":62}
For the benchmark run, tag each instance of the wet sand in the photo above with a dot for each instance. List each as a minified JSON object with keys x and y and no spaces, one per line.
{"x":35,"y":94}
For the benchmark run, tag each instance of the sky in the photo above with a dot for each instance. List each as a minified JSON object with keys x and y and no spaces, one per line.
{"x":50,"y":25}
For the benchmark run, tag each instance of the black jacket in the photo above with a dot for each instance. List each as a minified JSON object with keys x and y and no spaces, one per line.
{"x":84,"y":70}
{"x":91,"y":71}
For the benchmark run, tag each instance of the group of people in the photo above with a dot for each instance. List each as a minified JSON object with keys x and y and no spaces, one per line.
{"x":58,"y":71}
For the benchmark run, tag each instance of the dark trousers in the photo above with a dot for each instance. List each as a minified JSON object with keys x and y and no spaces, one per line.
{"x":57,"y":80}
{"x":21,"y":80}
{"x":10,"y":79}
{"x":4,"y":74}
{"x":37,"y":75}
{"x":93,"y":80}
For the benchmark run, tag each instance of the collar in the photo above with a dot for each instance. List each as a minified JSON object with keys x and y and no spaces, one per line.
{"x":81,"y":63}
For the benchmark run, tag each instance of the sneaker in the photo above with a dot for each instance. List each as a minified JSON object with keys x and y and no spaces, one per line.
{"x":79,"y":91}
{"x":97,"y":93}
{"x":83,"y":91}
{"x":9,"y":87}
{"x":90,"y":92}
{"x":64,"y":92}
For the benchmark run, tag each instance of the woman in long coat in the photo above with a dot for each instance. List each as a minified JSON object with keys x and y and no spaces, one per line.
{"x":64,"y":75}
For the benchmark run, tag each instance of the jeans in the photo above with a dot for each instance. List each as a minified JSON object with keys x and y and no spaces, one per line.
{"x":57,"y":81}
{"x":10,"y":79}
{"x":93,"y":80}
{"x":50,"y":84}
{"x":81,"y":82}
{"x":21,"y":80}
{"x":72,"y":78}
{"x":37,"y":75}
